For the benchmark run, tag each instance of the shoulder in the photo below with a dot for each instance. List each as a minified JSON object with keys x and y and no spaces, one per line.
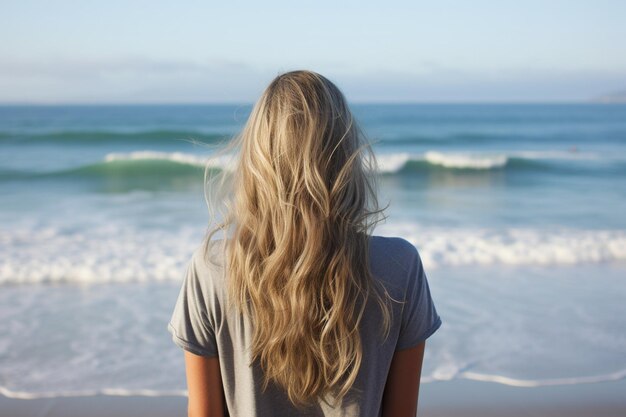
{"x":206,"y":264}
{"x":394,"y":261}
{"x":208,"y":255}
{"x":395,"y":249}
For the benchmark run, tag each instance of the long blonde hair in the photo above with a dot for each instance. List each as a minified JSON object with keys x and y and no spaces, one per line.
{"x":301,"y":203}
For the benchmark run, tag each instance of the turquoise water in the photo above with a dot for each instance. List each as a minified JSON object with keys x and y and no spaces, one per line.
{"x":517,"y":211}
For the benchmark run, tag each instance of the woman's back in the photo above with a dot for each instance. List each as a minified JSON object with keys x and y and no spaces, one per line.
{"x":203,"y":324}
{"x":301,"y":306}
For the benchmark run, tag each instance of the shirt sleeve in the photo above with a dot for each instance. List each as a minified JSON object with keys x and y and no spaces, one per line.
{"x":419,"y":315}
{"x":191,"y":324}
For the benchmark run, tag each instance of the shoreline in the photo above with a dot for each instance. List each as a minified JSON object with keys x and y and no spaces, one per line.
{"x":437,"y":399}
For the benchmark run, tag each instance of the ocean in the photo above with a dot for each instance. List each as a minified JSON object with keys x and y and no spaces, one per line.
{"x":517,"y":211}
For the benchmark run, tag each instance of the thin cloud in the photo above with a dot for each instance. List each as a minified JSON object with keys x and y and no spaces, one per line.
{"x":148,"y":80}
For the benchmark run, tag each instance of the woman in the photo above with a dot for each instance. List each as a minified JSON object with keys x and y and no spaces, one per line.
{"x":298,"y":310}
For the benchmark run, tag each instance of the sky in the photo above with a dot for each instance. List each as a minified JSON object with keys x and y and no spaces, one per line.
{"x":227,"y":52}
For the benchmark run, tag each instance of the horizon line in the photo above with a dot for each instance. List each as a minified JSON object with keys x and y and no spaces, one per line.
{"x":250,"y":103}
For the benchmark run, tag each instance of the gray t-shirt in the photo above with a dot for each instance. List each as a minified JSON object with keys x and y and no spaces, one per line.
{"x":203,"y":325}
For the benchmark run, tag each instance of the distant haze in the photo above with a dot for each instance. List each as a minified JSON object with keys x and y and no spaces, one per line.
{"x":198,"y":52}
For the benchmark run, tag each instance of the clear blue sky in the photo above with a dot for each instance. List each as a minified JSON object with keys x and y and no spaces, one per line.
{"x":200,"y":51}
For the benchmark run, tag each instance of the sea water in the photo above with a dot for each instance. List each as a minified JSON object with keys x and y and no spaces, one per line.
{"x":516,"y":210}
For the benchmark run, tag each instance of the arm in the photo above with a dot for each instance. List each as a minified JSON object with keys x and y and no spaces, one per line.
{"x":204,"y":383}
{"x":403,"y":382}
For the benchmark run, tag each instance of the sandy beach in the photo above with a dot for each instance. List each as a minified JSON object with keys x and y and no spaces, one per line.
{"x":437,"y":399}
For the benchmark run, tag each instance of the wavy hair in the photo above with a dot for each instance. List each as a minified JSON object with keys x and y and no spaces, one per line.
{"x":299,"y":204}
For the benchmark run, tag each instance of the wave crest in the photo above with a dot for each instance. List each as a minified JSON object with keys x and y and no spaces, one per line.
{"x":118,"y":254}
{"x":156,"y":163}
{"x":467,"y":161}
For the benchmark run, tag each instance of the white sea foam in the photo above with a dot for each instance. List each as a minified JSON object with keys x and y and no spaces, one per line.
{"x":465,"y":160}
{"x":118,"y":392}
{"x":392,"y":162}
{"x":495,"y":319}
{"x":490,"y":160}
{"x":110,"y":253}
{"x":556,"y":154}
{"x":387,"y":162}
{"x":528,"y":383}
{"x":439,"y":375}
{"x":498,"y":379}
{"x":224,"y":161}
{"x":513,"y":246}
{"x":107,"y":253}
